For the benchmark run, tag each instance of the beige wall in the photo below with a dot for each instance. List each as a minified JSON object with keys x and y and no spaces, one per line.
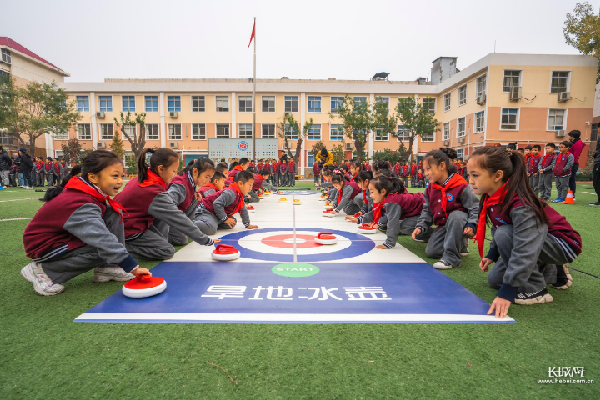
{"x":29,"y":70}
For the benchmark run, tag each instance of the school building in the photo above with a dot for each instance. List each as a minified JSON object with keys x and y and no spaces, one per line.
{"x":502,"y":98}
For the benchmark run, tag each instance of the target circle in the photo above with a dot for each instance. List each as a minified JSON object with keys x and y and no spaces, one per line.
{"x":286,"y":241}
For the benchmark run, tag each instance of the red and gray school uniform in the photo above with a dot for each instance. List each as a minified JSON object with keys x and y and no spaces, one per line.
{"x":283,"y":170}
{"x":316,"y":172}
{"x":181,"y":189}
{"x":402,"y":211}
{"x":421,"y":180}
{"x":518,"y":252}
{"x":452,"y":209}
{"x":397,"y":169}
{"x":76,"y":232}
{"x":259,"y":183}
{"x":405,"y":173}
{"x":413,"y":175}
{"x":208,"y":189}
{"x":348,"y":193}
{"x":48,"y":170}
{"x":65,"y":169}
{"x":292,"y":173}
{"x":364,"y":202}
{"x":234,"y":172}
{"x":277,"y":174}
{"x":545,"y":167}
{"x":562,"y":172}
{"x":151,"y":212}
{"x":533,"y":166}
{"x":41,"y":173}
{"x":215,"y":209}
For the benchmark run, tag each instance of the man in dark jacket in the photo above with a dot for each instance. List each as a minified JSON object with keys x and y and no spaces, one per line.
{"x":5,"y":164}
{"x":24,"y":167}
{"x":596,"y":173}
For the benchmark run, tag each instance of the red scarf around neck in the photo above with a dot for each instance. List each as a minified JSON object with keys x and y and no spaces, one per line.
{"x":78,"y":184}
{"x":238,"y":168}
{"x":211,"y":185}
{"x":455,"y":181}
{"x":240,"y":203}
{"x":377,"y":211}
{"x":152,"y":179}
{"x":488,"y":201}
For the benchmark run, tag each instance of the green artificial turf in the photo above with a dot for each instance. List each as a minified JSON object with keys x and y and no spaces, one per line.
{"x":43,"y":354}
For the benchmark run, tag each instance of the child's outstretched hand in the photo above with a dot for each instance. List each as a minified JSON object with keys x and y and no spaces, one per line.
{"x":252,"y":226}
{"x":416,"y":232}
{"x":198,"y":196}
{"x":230,"y":222}
{"x":141,"y":271}
{"x":216,"y":240}
{"x":500,"y":305}
{"x":469,"y":232}
{"x":350,"y":218}
{"x":485,"y":263}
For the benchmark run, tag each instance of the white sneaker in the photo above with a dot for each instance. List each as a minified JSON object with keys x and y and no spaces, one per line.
{"x":34,"y":273}
{"x":103,"y":275}
{"x":443,"y":264}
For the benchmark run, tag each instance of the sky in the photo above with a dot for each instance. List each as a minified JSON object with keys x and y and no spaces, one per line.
{"x":346,"y":39}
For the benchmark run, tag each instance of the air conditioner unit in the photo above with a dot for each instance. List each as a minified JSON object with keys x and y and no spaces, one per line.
{"x":349,"y":146}
{"x":101,"y":145}
{"x":173,"y":114}
{"x":515,"y":94}
{"x":100,"y":115}
{"x":563,"y":97}
{"x":481,"y":99}
{"x":461,"y":140}
{"x":446,"y":143}
{"x":173,"y":145}
{"x":6,"y":57}
{"x":561,"y":133}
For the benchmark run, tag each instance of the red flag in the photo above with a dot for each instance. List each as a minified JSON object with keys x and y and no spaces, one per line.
{"x":252,"y":36}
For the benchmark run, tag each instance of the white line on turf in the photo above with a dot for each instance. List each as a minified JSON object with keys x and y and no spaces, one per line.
{"x":7,"y":201}
{"x":294,"y":229}
{"x":12,"y":219}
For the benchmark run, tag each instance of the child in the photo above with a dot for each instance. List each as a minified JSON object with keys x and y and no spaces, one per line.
{"x":405,"y":171}
{"x":217,"y":210}
{"x":364,"y":203}
{"x":420,"y":182}
{"x":545,"y":167}
{"x":48,"y":171}
{"x":260,"y":181}
{"x":292,"y":173}
{"x":56,"y":172}
{"x":402,"y":210}
{"x":397,"y":168}
{"x":562,"y":170}
{"x":346,"y":172}
{"x":345,"y":192}
{"x":413,"y":174}
{"x":316,"y":172}
{"x":451,"y":205}
{"x":181,"y":189}
{"x":241,"y":166}
{"x":283,"y":171}
{"x":216,"y":184}
{"x":151,"y":211}
{"x":80,"y":228}
{"x":40,"y":172}
{"x":527,"y":152}
{"x":65,"y":167}
{"x":533,"y":168}
{"x":277,"y":173}
{"x":527,"y":235}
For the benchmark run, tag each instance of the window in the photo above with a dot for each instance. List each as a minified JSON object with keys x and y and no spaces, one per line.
{"x":129,"y":130}
{"x":336,"y":102}
{"x":222,"y":131}
{"x":460,"y":153}
{"x":60,"y":135}
{"x":291,"y":104}
{"x":222,"y":103}
{"x":403,"y":134}
{"x":245,"y":131}
{"x":560,"y":80}
{"x":481,"y":82}
{"x":446,"y":134}
{"x":461,"y":131}
{"x":428,"y":104}
{"x":447,"y":99}
{"x":198,"y":104}
{"x":268,"y":131}
{"x":151,"y":103}
{"x":427,"y":137}
{"x":381,"y":135}
{"x":511,"y":80}
{"x":336,"y":132}
{"x":314,"y":133}
{"x":198,"y":131}
{"x":5,"y":57}
{"x":105,"y":103}
{"x":479,"y":122}
{"x":152,"y":132}
{"x":4,"y":74}
{"x":268,"y":104}
{"x":314,"y":104}
{"x":83,"y":103}
{"x":359,"y":101}
{"x":311,"y":161}
{"x":174,"y":104}
{"x":556,"y":118}
{"x":128,"y":103}
{"x":84,"y":132}
{"x":462,"y":95}
{"x":510,"y":118}
{"x":106,"y":131}
{"x":385,"y":100}
{"x":245,"y":103}
{"x":290,"y":133}
{"x":174,"y":131}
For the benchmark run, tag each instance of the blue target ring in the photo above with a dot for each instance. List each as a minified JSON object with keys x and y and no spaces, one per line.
{"x":360,"y":245}
{"x":296,"y":192}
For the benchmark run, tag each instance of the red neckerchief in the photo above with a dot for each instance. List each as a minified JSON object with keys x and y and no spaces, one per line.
{"x":211,"y":185}
{"x":340,"y":193}
{"x":152,"y":179}
{"x":545,"y":157}
{"x":488,"y":201}
{"x":238,"y":168}
{"x":240,"y":203}
{"x":79,"y":184}
{"x":377,"y":211}
{"x":455,"y":181}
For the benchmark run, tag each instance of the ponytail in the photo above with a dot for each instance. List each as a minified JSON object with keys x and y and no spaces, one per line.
{"x":364,"y":176}
{"x":162,"y":156}
{"x":389,"y":184}
{"x":55,"y":191}
{"x":201,"y":164}
{"x":443,"y":155}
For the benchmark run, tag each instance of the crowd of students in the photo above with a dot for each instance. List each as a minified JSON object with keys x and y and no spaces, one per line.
{"x":88,"y":223}
{"x":26,"y":172}
{"x":281,"y":172}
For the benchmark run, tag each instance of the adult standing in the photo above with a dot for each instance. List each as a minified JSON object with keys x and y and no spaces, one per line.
{"x":596,"y":174}
{"x":24,"y":167}
{"x":5,"y":164}
{"x":576,"y":149}
{"x":325,"y":157}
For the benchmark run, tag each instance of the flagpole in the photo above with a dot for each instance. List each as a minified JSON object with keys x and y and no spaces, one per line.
{"x":254,"y":99}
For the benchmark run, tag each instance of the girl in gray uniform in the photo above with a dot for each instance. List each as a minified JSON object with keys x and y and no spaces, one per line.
{"x":345,"y":192}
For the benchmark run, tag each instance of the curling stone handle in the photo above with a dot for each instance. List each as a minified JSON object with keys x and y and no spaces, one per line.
{"x":324,"y":234}
{"x":224,"y":246}
{"x":144,"y":277}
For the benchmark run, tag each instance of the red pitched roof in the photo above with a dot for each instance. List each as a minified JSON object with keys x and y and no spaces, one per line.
{"x":5,"y":41}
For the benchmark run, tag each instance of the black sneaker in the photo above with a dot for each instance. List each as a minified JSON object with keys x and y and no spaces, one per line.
{"x":382,"y":228}
{"x":539,"y":297}
{"x":564,"y":280}
{"x":596,"y":204}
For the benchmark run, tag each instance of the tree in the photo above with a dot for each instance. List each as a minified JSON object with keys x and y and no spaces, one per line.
{"x":388,"y":155}
{"x":30,"y":112}
{"x":416,"y":120}
{"x":136,"y":139}
{"x":73,"y":153}
{"x":290,"y":128}
{"x":582,"y":31}
{"x":117,"y":145}
{"x":338,"y":153}
{"x":317,"y":148}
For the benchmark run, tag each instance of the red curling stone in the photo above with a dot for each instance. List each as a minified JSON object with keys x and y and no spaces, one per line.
{"x":144,"y":286}
{"x":225,"y":252}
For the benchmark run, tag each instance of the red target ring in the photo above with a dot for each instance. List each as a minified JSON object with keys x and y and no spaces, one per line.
{"x":286,"y":241}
